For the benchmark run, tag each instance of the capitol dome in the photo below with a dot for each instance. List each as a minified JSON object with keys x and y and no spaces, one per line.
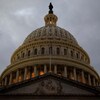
{"x":50,"y":49}
{"x":53,"y":32}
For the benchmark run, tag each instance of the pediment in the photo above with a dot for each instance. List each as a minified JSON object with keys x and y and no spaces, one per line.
{"x":49,"y":85}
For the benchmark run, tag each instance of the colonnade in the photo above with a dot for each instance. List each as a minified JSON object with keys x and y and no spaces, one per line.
{"x":69,"y":72}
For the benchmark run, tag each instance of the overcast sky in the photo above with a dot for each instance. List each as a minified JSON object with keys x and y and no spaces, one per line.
{"x":20,"y":17}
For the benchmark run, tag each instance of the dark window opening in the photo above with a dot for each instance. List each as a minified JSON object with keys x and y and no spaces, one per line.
{"x":42,"y":50}
{"x":35,"y":52}
{"x":65,"y":51}
{"x":77,"y":55}
{"x":29,"y":52}
{"x":58,"y":51}
{"x":50,"y":50}
{"x":23,"y":55}
{"x":72,"y":54}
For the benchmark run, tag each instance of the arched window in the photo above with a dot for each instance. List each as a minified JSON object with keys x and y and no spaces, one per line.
{"x":29,"y":52}
{"x":42,"y":50}
{"x":35,"y":51}
{"x":58,"y":51}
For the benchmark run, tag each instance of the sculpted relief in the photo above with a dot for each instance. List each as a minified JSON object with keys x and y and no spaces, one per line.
{"x":49,"y":87}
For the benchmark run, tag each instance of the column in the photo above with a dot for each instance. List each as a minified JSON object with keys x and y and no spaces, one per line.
{"x":25,"y":73}
{"x":65,"y":71}
{"x":74,"y":73}
{"x":94,"y":81}
{"x":55,"y":69}
{"x":45,"y":69}
{"x":89,"y":79}
{"x":35,"y":72}
{"x":17,"y":75}
{"x":6,"y":80}
{"x":10,"y":81}
{"x":83,"y":79}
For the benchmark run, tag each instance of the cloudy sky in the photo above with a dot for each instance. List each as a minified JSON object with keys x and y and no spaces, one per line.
{"x":20,"y":17}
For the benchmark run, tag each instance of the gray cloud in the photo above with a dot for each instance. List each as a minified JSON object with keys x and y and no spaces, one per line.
{"x":19,"y":17}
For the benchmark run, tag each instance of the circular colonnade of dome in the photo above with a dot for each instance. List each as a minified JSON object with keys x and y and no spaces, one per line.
{"x":50,"y":49}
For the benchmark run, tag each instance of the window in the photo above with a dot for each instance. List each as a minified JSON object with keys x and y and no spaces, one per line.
{"x":65,"y":51}
{"x":47,"y":18}
{"x":50,"y":50}
{"x":23,"y":55}
{"x":42,"y":50}
{"x":82,"y":57}
{"x":18,"y":56}
{"x":55,"y":32}
{"x":35,"y":51}
{"x":77,"y":55}
{"x":72,"y":54}
{"x":58,"y":51}
{"x":29,"y":52}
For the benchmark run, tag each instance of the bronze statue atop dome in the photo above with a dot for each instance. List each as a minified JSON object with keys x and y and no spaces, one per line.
{"x":50,"y":8}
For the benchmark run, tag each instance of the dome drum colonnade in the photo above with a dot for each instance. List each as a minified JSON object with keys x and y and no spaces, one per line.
{"x":50,"y":49}
{"x":36,"y":70}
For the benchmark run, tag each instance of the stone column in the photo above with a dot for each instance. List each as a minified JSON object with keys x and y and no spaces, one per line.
{"x":10,"y":81}
{"x":45,"y":69}
{"x":89,"y":79}
{"x":55,"y":69}
{"x":6,"y":80}
{"x":74,"y":73}
{"x":35,"y":70}
{"x":25,"y":73}
{"x":17,"y":75}
{"x":65,"y":71}
{"x":83,"y":79}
